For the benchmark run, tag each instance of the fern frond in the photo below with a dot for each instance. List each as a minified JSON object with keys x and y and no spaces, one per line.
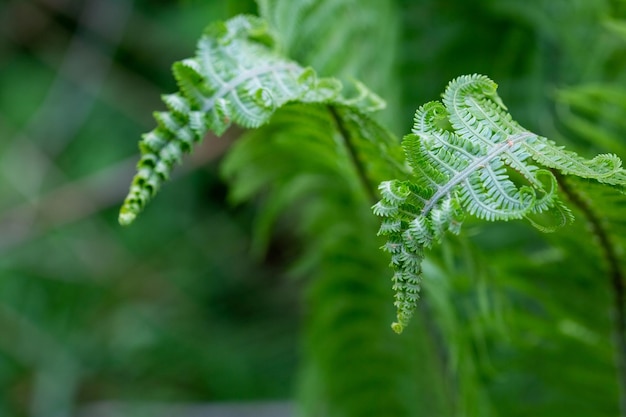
{"x":604,"y":168}
{"x":292,"y":163}
{"x":462,"y":152}
{"x":237,"y":76}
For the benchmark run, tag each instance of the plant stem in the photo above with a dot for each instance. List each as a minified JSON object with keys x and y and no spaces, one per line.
{"x":428,"y":320}
{"x":616,"y":277}
{"x":354,"y":157}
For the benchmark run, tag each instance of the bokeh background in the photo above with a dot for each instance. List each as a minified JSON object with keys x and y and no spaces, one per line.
{"x":172,"y":309}
{"x":176,"y":309}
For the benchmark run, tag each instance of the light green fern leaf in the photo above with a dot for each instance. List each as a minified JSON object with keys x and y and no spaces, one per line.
{"x":469,"y":157}
{"x":237,"y":76}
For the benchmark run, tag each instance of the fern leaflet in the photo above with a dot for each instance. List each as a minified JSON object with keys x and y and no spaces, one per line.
{"x":465,"y":156}
{"x":237,"y":76}
{"x":468,"y":156}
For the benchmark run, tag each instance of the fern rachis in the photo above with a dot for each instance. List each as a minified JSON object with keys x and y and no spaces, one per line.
{"x":457,"y":156}
{"x":459,"y":152}
{"x":238,"y":76}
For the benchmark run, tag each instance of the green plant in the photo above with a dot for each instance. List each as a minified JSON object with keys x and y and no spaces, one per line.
{"x":466,"y":156}
{"x":459,"y":153}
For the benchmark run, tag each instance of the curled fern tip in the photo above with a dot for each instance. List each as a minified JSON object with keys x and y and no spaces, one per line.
{"x":397,"y":327}
{"x":126,"y":218}
{"x":237,"y":77}
{"x":461,"y":153}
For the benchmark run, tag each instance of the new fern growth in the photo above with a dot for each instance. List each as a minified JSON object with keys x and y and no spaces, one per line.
{"x":465,"y":156}
{"x":469,"y":157}
{"x":237,"y":76}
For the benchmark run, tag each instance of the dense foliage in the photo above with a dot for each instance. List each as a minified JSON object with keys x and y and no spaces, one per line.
{"x":511,"y":320}
{"x":466,"y":156}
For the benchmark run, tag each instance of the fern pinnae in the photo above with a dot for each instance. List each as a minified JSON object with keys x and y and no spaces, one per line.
{"x":425,"y":174}
{"x":237,"y":76}
{"x":605,"y":168}
{"x":484,"y":164}
{"x":459,"y":152}
{"x":457,"y":156}
{"x":477,"y":110}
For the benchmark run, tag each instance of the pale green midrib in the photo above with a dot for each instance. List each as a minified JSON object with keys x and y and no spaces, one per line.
{"x":421,"y":124}
{"x":231,"y":86}
{"x":488,"y":209}
{"x":408,"y":214}
{"x":572,"y":165}
{"x":518,"y":165}
{"x":387,"y":188}
{"x":471,"y":168}
{"x":422,"y":171}
{"x":208,"y":58}
{"x":565,"y":158}
{"x":487,"y":167}
{"x":514,"y":127}
{"x":511,"y":156}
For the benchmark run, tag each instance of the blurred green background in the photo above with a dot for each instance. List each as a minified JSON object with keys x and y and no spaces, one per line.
{"x":171,"y":309}
{"x":174,"y":309}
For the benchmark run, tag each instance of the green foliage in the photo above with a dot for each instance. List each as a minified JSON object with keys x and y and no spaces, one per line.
{"x":319,"y":33}
{"x":465,"y":158}
{"x":236,"y":77}
{"x":511,"y":321}
{"x":91,"y":312}
{"x":459,"y":153}
{"x":291,"y":162}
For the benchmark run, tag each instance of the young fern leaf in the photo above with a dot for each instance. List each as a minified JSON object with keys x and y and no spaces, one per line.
{"x":237,"y":76}
{"x":463,"y":152}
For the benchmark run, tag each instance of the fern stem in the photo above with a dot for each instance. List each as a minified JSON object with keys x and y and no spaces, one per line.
{"x":354,"y":157}
{"x":463,"y":175}
{"x":616,"y":277}
{"x":433,"y":332}
{"x":230,"y":87}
